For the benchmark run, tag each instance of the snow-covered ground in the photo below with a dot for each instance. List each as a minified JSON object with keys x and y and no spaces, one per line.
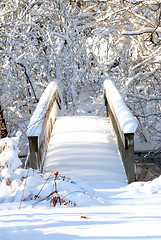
{"x":51,"y":206}
{"x":130,"y":212}
{"x":125,"y":212}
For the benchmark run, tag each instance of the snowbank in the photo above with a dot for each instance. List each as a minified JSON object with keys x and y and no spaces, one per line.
{"x":147,"y":188}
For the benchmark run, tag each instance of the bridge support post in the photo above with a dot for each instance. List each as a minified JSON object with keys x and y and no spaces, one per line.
{"x":33,"y":154}
{"x":106,"y":104}
{"x":129,"y":157}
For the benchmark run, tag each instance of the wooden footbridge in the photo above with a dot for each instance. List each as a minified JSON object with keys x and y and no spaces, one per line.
{"x":95,"y":149}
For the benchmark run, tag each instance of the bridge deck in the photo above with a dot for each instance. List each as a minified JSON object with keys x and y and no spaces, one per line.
{"x":85,"y":147}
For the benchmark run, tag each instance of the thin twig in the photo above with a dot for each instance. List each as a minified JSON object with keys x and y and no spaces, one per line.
{"x":36,"y":196}
{"x":29,"y":81}
{"x":40,"y":200}
{"x":24,"y":188}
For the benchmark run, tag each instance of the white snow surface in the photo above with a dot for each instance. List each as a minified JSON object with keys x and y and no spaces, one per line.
{"x":116,"y":211}
{"x":85,"y":147}
{"x":125,"y":118}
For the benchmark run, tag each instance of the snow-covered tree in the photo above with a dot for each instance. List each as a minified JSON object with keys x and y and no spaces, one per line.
{"x":80,"y":43}
{"x":137,"y":41}
{"x":126,"y":43}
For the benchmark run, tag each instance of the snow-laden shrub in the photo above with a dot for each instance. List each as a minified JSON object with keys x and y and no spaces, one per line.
{"x":9,"y":160}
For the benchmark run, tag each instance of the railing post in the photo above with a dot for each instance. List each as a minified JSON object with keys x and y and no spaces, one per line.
{"x":106,"y":104}
{"x":33,"y":148}
{"x":129,"y":157}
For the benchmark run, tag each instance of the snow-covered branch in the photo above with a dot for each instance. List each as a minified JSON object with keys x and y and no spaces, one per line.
{"x":141,"y":75}
{"x":29,"y":81}
{"x":138,"y":32}
{"x":145,"y":98}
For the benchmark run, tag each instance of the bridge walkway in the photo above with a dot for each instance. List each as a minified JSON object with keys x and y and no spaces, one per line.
{"x":85,"y":148}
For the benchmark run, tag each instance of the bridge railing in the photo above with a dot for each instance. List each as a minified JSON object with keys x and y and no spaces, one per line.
{"x":41,"y":124}
{"x":124,"y":126}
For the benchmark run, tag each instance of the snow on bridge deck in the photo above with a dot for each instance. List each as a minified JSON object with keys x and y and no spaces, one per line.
{"x":85,"y":148}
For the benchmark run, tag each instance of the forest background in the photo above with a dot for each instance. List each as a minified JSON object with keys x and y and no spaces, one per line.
{"x":80,"y":44}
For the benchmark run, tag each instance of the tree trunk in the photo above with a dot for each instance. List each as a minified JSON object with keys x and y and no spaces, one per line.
{"x":3,"y":128}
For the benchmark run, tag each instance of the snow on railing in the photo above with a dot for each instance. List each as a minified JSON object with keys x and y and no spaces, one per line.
{"x":41,"y":124}
{"x":124,"y":126}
